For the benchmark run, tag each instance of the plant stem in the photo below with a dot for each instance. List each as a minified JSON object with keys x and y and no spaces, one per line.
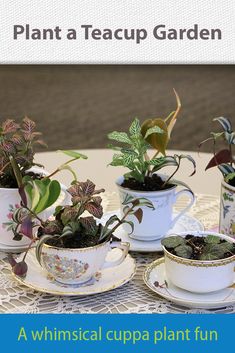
{"x":122,"y":219}
{"x":16,"y":171}
{"x":29,"y":247}
{"x":170,"y":177}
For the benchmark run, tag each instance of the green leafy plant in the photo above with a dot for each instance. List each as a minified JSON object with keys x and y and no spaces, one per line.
{"x":73,"y":226}
{"x":210,"y":247}
{"x":132,"y":148}
{"x":223,"y":158}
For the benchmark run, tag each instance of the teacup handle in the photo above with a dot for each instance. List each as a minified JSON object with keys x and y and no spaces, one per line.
{"x":124,"y":247}
{"x":181,"y":213}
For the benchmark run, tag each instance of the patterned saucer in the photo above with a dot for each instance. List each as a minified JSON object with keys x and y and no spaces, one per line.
{"x":184,"y":224}
{"x":155,"y":278}
{"x":106,"y":280}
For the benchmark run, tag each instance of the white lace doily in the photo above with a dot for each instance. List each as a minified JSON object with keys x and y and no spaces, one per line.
{"x":133,"y":297}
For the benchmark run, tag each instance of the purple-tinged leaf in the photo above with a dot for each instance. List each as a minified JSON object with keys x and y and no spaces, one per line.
{"x":9,"y":126}
{"x":11,"y":260}
{"x":94,"y":210}
{"x":20,"y":269}
{"x":221,"y":157}
{"x":26,"y":227}
{"x":139,"y":214}
{"x":23,"y":195}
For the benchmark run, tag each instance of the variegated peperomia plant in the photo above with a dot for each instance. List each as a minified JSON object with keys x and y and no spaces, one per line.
{"x":75,"y":225}
{"x":132,"y":150}
{"x":223,"y":158}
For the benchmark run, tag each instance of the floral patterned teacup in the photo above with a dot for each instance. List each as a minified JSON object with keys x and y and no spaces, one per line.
{"x":227,"y":209}
{"x":77,"y":266}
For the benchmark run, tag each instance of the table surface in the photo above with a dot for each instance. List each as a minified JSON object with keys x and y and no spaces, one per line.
{"x":96,"y":168}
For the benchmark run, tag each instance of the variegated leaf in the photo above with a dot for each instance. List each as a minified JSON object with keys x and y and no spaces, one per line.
{"x":120,"y":137}
{"x":225,"y":123}
{"x":135,"y":127}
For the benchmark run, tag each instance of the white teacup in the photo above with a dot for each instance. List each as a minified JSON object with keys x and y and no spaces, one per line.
{"x":10,"y":200}
{"x":155,"y":223}
{"x":77,"y":266}
{"x":200,"y":276}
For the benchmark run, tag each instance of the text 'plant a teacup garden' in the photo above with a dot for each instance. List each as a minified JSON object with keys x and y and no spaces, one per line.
{"x":132,"y":151}
{"x":18,"y":170}
{"x":225,"y":161}
{"x":73,"y":246}
{"x":199,"y":262}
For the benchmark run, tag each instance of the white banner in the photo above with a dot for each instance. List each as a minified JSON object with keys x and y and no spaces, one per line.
{"x":117,"y":32}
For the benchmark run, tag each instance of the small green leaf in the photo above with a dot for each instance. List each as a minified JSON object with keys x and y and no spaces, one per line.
{"x":73,"y":154}
{"x":153,"y":130}
{"x":212,"y":239}
{"x":184,"y":251}
{"x":212,"y":252}
{"x":120,"y":137}
{"x":173,"y":241}
{"x":135,"y":127}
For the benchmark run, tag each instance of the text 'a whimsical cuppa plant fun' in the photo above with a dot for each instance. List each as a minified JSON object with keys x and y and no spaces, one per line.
{"x":132,"y":148}
{"x":70,"y":227}
{"x":224,"y":158}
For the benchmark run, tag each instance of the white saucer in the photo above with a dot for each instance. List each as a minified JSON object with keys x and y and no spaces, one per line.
{"x":155,"y":274}
{"x":107,"y":279}
{"x":13,"y":249}
{"x":185,"y":223}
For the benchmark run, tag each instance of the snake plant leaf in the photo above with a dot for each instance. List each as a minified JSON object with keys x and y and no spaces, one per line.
{"x":225,"y":123}
{"x":157,"y":140}
{"x":74,"y":154}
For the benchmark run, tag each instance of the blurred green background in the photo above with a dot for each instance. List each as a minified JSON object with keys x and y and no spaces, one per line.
{"x":76,"y":106}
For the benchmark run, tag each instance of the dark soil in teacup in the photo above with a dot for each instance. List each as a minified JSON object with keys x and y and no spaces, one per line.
{"x":9,"y":181}
{"x":154,"y":183}
{"x":232,"y":182}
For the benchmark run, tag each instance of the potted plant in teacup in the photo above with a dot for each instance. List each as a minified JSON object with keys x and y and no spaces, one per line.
{"x":143,"y":178}
{"x":199,"y":262}
{"x":225,"y":161}
{"x":73,"y":246}
{"x":17,"y":143}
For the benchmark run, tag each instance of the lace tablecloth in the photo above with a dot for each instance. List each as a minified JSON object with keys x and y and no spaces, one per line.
{"x":133,"y":297}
